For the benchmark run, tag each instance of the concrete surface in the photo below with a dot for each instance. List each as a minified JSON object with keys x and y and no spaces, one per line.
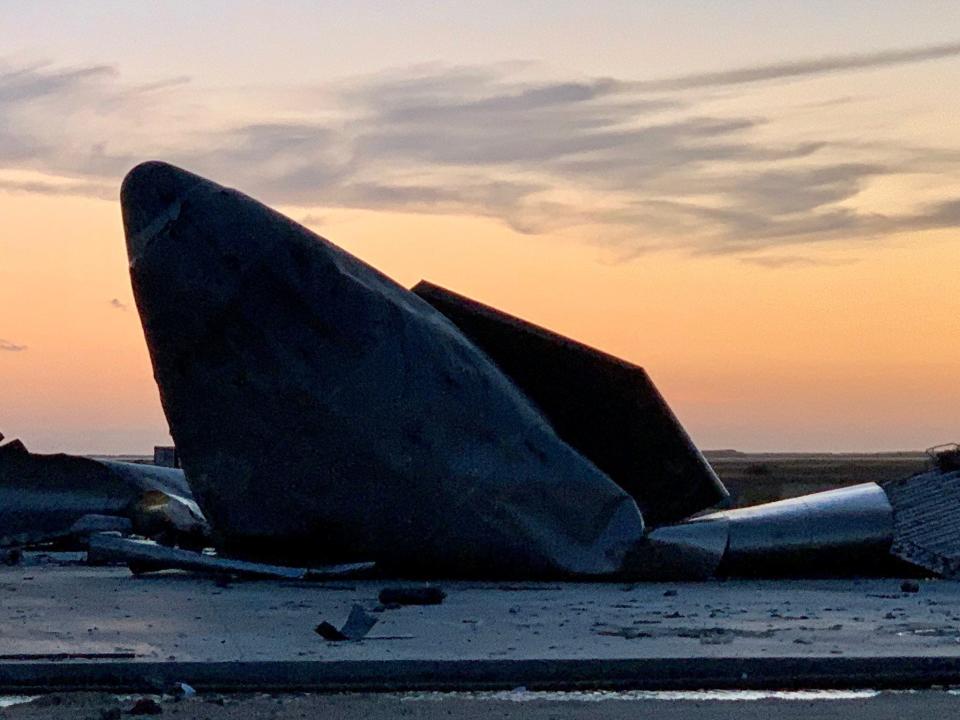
{"x":827,"y":633}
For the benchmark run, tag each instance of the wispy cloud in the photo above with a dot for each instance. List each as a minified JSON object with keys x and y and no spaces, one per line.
{"x":100,"y":189}
{"x":7,"y":346}
{"x":637,"y":165}
{"x":794,"y":261}
{"x":83,"y":123}
{"x":802,"y":68}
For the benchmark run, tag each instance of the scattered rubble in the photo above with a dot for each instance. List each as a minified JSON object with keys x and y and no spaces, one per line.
{"x":926,"y":520}
{"x":904,"y":527}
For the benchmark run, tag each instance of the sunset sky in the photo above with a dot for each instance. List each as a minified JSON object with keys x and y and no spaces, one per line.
{"x":759,"y":202}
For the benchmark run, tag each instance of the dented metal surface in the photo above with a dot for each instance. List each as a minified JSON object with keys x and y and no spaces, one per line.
{"x":324,"y":413}
{"x":688,"y":551}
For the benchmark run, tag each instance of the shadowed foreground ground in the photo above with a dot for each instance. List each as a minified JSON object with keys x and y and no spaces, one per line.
{"x":870,"y":706}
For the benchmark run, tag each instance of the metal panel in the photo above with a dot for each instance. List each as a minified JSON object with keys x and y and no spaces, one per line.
{"x":926,"y":518}
{"x":606,"y":408}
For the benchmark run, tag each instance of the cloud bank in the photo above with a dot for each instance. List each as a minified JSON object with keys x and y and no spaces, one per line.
{"x":636,"y":165}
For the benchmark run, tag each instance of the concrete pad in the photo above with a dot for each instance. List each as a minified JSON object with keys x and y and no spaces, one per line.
{"x":260,"y":634}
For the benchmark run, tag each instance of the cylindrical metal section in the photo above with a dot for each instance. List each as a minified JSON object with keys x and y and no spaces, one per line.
{"x":844,"y":531}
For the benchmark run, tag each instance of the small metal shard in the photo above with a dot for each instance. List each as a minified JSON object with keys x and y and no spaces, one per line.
{"x":358,"y":624}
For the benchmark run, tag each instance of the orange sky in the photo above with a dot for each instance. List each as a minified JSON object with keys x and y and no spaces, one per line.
{"x":837,"y":357}
{"x":790,"y":283}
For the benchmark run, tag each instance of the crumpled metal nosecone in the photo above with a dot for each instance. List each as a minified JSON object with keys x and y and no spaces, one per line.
{"x":323,"y":412}
{"x":844,"y":531}
{"x":605,"y":407}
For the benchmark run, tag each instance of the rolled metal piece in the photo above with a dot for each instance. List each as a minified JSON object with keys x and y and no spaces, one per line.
{"x":847,"y":531}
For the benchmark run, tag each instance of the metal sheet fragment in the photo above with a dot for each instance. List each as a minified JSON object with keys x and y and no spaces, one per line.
{"x":144,"y":557}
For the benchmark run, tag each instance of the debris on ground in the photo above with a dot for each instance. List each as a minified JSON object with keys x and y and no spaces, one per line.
{"x":358,"y":624}
{"x":926,"y":521}
{"x":63,"y":499}
{"x":183,"y":691}
{"x":143,"y":557}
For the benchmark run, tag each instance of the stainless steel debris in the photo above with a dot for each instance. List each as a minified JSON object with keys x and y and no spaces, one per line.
{"x":324,"y":413}
{"x":144,"y":557}
{"x":358,"y":624}
{"x":826,"y":533}
{"x":608,"y":409}
{"x":902,"y":527}
{"x":926,"y":521}
{"x":44,"y":498}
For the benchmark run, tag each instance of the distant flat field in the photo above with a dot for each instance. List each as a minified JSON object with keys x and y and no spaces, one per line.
{"x":754,"y":478}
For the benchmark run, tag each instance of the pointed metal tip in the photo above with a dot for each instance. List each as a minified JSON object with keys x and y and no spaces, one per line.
{"x":150,"y":198}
